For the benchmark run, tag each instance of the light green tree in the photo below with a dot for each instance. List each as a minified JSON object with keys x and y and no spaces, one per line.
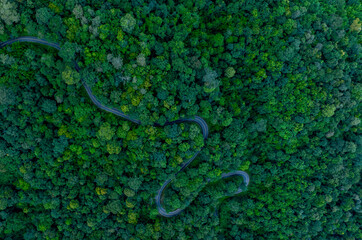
{"x":70,"y":76}
{"x":105,"y":132}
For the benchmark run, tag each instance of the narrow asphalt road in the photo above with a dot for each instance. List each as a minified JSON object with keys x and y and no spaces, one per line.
{"x":201,"y":122}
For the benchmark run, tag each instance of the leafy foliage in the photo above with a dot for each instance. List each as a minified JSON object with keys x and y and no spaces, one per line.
{"x":278,"y":83}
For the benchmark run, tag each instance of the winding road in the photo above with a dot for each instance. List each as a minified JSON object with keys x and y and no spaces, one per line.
{"x":196,"y":119}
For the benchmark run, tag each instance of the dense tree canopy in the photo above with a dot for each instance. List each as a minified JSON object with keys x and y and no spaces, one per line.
{"x":278,"y":83}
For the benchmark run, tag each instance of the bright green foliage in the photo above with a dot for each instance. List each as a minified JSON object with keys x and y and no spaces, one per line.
{"x":70,"y":76}
{"x":129,"y":193}
{"x":114,"y":148}
{"x":105,"y":132}
{"x":230,"y":72}
{"x":74,"y":204}
{"x":128,"y":23}
{"x":329,"y":110}
{"x":278,"y":83}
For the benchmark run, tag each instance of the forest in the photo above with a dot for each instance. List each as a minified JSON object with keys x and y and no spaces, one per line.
{"x":278,"y":83}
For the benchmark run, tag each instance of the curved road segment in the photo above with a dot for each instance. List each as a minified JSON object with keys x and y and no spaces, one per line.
{"x":196,"y":119}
